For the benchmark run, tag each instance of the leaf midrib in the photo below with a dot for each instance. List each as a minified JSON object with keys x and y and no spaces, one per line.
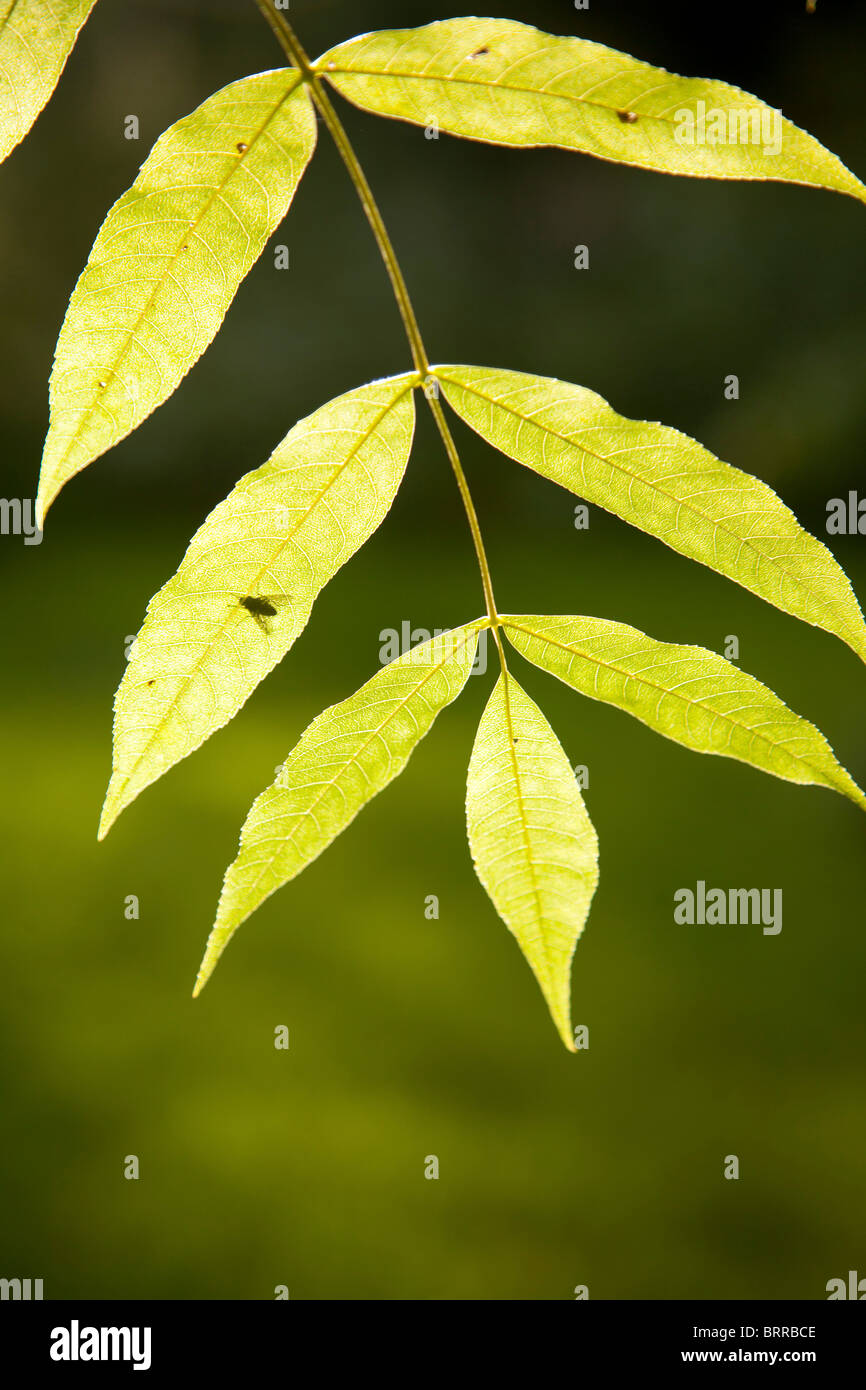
{"x":621,"y":671}
{"x":300,"y":816}
{"x":746,"y":541}
{"x":357,"y":446}
{"x":193,"y":227}
{"x":493,"y":86}
{"x":540,"y":915}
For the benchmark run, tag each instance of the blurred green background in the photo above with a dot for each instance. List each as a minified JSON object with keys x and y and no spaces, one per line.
{"x":412,"y":1037}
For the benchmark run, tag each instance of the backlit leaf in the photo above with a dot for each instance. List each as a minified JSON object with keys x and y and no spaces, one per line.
{"x":533,"y":844}
{"x":36,"y":38}
{"x":689,"y":694}
{"x":663,"y":482}
{"x":510,"y":84}
{"x":167,"y":262}
{"x":346,"y":757}
{"x":245,"y":587}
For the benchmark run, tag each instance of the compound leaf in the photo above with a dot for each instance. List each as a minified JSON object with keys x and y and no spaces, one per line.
{"x":533,"y":845}
{"x":245,"y":588}
{"x":35,"y":41}
{"x":664,"y":483}
{"x":167,"y":262}
{"x":689,"y":694}
{"x":346,"y":757}
{"x":511,"y":84}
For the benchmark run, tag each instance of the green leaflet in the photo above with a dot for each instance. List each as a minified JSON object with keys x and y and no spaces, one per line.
{"x":511,"y":84}
{"x":689,"y":694}
{"x":35,"y":41}
{"x":279,"y":536}
{"x":346,"y":757}
{"x":533,"y":844}
{"x":167,"y":262}
{"x":664,"y":483}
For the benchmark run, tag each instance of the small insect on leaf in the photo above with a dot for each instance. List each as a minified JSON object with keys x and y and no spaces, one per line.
{"x":261,"y":607}
{"x":258,"y":608}
{"x":627,"y":117}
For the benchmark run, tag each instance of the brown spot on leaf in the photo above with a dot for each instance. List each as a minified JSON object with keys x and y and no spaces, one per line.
{"x":627,"y":117}
{"x":480,"y":52}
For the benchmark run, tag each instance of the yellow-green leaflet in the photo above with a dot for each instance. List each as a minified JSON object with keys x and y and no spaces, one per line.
{"x":511,"y":84}
{"x":689,"y":694}
{"x":167,"y":262}
{"x":279,"y":536}
{"x":36,"y":38}
{"x":346,"y":757}
{"x":534,"y":847}
{"x":664,"y":483}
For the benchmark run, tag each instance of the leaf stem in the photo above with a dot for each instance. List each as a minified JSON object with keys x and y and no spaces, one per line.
{"x":294,"y":51}
{"x":471,"y":515}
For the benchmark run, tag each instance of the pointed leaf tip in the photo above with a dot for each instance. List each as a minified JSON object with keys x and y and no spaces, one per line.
{"x":36,"y":39}
{"x":168,"y":261}
{"x":688,"y":694}
{"x":508,"y":83}
{"x":533,"y":845}
{"x":344,"y":758}
{"x":106,"y":821}
{"x":247,"y":584}
{"x":662,"y":482}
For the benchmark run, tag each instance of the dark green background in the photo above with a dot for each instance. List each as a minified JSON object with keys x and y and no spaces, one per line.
{"x":412,"y":1037}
